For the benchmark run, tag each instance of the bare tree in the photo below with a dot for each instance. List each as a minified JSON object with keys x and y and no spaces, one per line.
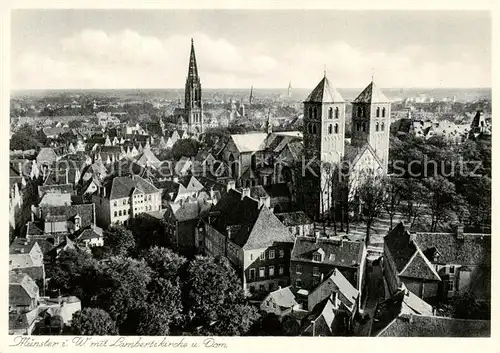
{"x":394,"y":192}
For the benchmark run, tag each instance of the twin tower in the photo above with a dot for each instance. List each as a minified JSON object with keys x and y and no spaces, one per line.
{"x":325,"y":123}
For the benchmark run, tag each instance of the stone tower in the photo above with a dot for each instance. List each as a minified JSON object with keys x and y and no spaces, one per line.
{"x":324,"y":132}
{"x":371,"y":121}
{"x":192,"y":102}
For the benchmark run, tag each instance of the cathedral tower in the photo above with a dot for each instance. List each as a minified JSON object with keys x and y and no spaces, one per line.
{"x":192,"y":103}
{"x":371,"y":121}
{"x":324,"y":132}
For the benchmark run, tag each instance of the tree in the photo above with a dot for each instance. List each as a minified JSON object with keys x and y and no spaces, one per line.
{"x":444,"y":201}
{"x":149,"y":231}
{"x":371,"y":193}
{"x":394,"y":191}
{"x":93,"y":322}
{"x":465,"y":306}
{"x":74,"y":124}
{"x":413,"y":197}
{"x":118,"y":240}
{"x":184,"y":148}
{"x":123,"y":288}
{"x":213,"y":295}
{"x":25,"y":138}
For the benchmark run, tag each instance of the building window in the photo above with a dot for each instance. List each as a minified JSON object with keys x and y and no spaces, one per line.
{"x":124,"y":201}
{"x":263,"y":255}
{"x":315,"y":271}
{"x":271,"y":254}
{"x":382,"y":127}
{"x":336,"y":130}
{"x":120,"y":213}
{"x":298,"y":283}
{"x":298,"y":269}
{"x":315,"y":112}
{"x":116,"y":214}
{"x":378,"y":112}
{"x":359,"y":111}
{"x":376,"y":126}
{"x":115,"y":203}
{"x":383,"y":112}
{"x":128,"y":211}
{"x":317,"y":257}
{"x":251,"y":273}
{"x":358,"y":127}
{"x":282,"y":253}
{"x":262,"y":272}
{"x":364,"y":127}
{"x":310,"y":113}
{"x":271,"y":271}
{"x":330,"y":113}
{"x":149,"y":197}
{"x":314,"y":129}
{"x":452,"y":269}
{"x":281,"y":270}
{"x":449,"y":285}
{"x":330,"y":129}
{"x":336,"y":112}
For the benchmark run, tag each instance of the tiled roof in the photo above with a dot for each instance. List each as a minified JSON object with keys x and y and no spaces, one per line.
{"x":340,"y":253}
{"x":250,"y":142}
{"x":284,"y":297}
{"x":85,"y":211}
{"x":420,"y":267}
{"x":323,"y":315}
{"x":436,"y":326}
{"x":291,"y":219}
{"x":46,"y":155}
{"x":90,"y":233}
{"x":122,"y":187}
{"x":371,"y":94}
{"x":25,"y":281}
{"x":57,"y":188}
{"x":473,"y":249}
{"x":400,"y":245}
{"x":22,"y":321}
{"x":324,"y":93}
{"x":266,"y":231}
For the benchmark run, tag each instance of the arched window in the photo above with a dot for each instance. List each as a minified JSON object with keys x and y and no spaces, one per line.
{"x":314,"y":129}
{"x":357,"y":127}
{"x":364,"y":127}
{"x":120,"y":213}
{"x":383,"y":112}
{"x":330,"y":113}
{"x":310,"y":113}
{"x":382,"y":127}
{"x":309,"y":128}
{"x":376,"y":125}
{"x":336,"y":112}
{"x":330,"y":129}
{"x":336,"y":130}
{"x":359,"y":111}
{"x":378,"y":112}
{"x":315,"y":112}
{"x":116,"y":213}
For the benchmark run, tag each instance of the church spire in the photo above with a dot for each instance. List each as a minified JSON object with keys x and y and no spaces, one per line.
{"x":193,"y":68}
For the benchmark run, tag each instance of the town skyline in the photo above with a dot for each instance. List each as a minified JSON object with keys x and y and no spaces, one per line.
{"x":232,"y":51}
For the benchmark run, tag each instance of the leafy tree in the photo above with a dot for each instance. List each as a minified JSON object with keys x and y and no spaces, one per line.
{"x":123,"y":288}
{"x":267,"y":325}
{"x":394,"y":192}
{"x":466,"y":306}
{"x":92,"y":322}
{"x":25,"y":138}
{"x":213,"y":295}
{"x":184,"y":148}
{"x":444,"y":203}
{"x":413,"y":197}
{"x":149,"y":231}
{"x":74,"y":124}
{"x":118,"y":240}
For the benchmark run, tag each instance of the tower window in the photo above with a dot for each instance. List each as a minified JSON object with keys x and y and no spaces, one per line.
{"x":330,"y":129}
{"x":364,"y":127}
{"x":314,"y":128}
{"x":383,"y":112}
{"x":382,"y":127}
{"x":357,"y":127}
{"x":378,"y":112}
{"x":336,"y":112}
{"x":315,"y":112}
{"x":336,"y":130}
{"x":359,"y":111}
{"x":310,"y":113}
{"x":376,"y":125}
{"x":330,"y":113}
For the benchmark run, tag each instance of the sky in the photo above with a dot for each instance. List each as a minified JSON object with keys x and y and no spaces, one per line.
{"x":106,"y":49}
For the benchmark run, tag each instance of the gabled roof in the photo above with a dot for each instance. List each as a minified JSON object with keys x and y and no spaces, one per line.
{"x":250,"y":142}
{"x":291,"y":219}
{"x":323,"y":315}
{"x":371,"y":94}
{"x":340,"y":253}
{"x":346,"y":291}
{"x":420,"y":267}
{"x":121,"y":187}
{"x":67,"y":213}
{"x":324,"y":93}
{"x":25,"y":282}
{"x":284,"y":297}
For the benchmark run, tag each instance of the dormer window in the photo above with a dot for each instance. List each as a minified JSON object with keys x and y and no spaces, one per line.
{"x":317,"y":257}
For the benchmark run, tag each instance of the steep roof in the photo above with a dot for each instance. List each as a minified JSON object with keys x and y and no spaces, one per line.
{"x":250,"y":142}
{"x":324,"y":92}
{"x":284,"y":297}
{"x":340,"y":253}
{"x":67,"y":213}
{"x":347,"y":293}
{"x":121,"y":187}
{"x":291,"y":219}
{"x":371,"y":94}
{"x":24,"y":281}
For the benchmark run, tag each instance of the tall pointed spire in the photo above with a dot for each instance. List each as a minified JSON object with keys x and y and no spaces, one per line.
{"x":193,"y":68}
{"x":251,"y":95}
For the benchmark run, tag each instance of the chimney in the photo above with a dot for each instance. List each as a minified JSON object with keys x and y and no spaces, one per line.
{"x":231,"y":184}
{"x":266,"y":201}
{"x":245,"y":192}
{"x":460,"y":231}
